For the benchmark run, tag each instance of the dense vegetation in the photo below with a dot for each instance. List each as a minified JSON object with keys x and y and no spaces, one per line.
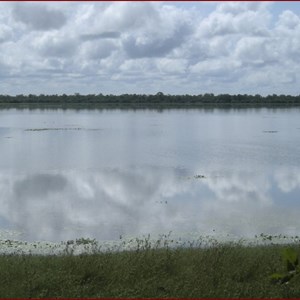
{"x":157,"y":99}
{"x":231,"y":271}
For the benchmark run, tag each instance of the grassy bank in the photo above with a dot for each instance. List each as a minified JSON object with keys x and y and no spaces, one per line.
{"x":219,"y":271}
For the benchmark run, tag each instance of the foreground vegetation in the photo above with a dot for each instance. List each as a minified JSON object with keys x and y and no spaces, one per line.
{"x":157,"y":100}
{"x":222,"y":270}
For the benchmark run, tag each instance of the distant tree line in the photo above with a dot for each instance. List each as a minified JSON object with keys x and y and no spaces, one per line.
{"x":155,"y":99}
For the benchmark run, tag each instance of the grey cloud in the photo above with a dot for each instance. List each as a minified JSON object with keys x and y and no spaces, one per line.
{"x":59,"y":48}
{"x":238,"y":7}
{"x":156,"y":47}
{"x":100,"y":50}
{"x":4,"y":70}
{"x":5,"y":33}
{"x":39,"y":17}
{"x":103,"y":35}
{"x":126,"y":16}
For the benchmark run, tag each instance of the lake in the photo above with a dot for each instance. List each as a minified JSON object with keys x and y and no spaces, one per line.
{"x":66,"y":174}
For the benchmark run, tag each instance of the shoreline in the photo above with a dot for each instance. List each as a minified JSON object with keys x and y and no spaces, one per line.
{"x":141,"y":106}
{"x":83,"y":246}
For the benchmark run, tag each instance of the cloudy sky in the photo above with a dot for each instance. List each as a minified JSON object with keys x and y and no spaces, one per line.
{"x":146,"y":47}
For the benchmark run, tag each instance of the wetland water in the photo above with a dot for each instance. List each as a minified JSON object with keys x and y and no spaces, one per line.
{"x":66,"y":174}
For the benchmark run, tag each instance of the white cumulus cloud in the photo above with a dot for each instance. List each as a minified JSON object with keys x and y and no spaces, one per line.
{"x":173,"y":47}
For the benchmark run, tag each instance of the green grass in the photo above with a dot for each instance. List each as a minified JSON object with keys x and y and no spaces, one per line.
{"x":230,"y":270}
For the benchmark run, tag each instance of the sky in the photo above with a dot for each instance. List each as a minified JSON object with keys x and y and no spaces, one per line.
{"x":149,"y":47}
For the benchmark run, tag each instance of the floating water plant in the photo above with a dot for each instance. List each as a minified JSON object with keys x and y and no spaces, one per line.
{"x":58,"y":128}
{"x":270,"y":131}
{"x":199,"y":176}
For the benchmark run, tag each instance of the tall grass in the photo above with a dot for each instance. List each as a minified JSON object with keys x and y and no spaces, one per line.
{"x":151,"y":270}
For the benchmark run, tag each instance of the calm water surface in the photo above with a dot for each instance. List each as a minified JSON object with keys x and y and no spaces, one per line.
{"x":66,"y":174}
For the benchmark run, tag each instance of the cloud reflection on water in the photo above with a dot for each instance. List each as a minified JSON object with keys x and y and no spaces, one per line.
{"x":288,"y":179}
{"x":104,"y":204}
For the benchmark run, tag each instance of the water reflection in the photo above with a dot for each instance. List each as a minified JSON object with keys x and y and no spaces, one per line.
{"x":105,"y":204}
{"x":66,"y":174}
{"x":288,"y":179}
